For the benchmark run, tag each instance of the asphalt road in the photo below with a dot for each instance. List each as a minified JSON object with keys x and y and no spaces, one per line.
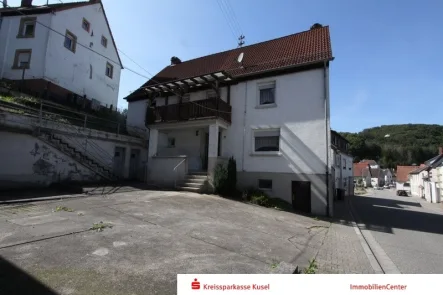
{"x":409,"y":230}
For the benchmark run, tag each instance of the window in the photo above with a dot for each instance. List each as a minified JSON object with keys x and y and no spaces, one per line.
{"x":27,"y":27}
{"x":266,"y":141}
{"x":109,"y":70}
{"x":22,"y":59}
{"x":104,"y":41}
{"x":70,"y":41}
{"x":86,"y":25}
{"x":171,"y":142}
{"x":266,"y":94}
{"x":344,"y":163}
{"x":265,"y":184}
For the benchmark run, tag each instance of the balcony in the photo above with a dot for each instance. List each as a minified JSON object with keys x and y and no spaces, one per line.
{"x":201,"y":109}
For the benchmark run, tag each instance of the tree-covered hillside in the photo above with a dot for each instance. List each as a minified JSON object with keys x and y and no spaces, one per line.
{"x":393,"y":145}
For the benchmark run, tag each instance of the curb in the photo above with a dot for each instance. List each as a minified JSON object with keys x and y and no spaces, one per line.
{"x":55,"y":198}
{"x":378,"y":258}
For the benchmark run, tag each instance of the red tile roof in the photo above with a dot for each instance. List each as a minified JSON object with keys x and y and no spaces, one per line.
{"x":403,"y":171}
{"x":42,"y":9}
{"x":358,"y":169}
{"x":299,"y":49}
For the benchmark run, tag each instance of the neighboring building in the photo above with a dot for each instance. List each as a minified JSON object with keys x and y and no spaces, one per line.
{"x":431,"y":183}
{"x":34,"y":55}
{"x":342,"y":163}
{"x":361,"y":173}
{"x":265,"y":104}
{"x":402,"y":181}
{"x":417,"y":178}
{"x":387,"y":176}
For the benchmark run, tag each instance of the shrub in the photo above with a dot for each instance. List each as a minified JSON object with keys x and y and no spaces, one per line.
{"x":259,"y":197}
{"x":220,"y":179}
{"x":231,"y":182}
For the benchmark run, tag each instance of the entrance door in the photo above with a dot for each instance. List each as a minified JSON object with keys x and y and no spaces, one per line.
{"x":206,"y":151}
{"x":301,"y":196}
{"x":119,"y":161}
{"x":134,"y":163}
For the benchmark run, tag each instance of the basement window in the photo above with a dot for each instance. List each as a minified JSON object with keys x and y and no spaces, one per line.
{"x":27,"y":27}
{"x":265,"y":184}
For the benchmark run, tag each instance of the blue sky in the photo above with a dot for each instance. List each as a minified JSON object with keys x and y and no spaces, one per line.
{"x":388,"y":66}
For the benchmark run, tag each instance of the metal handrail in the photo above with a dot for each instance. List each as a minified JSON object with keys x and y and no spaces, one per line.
{"x":175,"y":171}
{"x":81,"y":117}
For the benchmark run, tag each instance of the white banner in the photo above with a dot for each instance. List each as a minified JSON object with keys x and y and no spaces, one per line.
{"x":201,"y":284}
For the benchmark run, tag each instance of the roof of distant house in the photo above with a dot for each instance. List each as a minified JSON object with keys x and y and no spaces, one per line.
{"x":403,"y":171}
{"x":42,"y":9}
{"x":358,"y":169}
{"x":419,"y":169}
{"x":370,"y":162}
{"x":300,"y":49}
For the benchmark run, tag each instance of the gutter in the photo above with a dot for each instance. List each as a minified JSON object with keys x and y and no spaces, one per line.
{"x":287,"y":67}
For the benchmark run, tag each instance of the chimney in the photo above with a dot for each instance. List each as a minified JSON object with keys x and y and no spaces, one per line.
{"x":440,"y":150}
{"x":5,"y":3}
{"x":175,"y":61}
{"x":26,"y":3}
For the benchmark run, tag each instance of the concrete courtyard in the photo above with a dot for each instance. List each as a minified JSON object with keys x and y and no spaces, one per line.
{"x":154,"y":236}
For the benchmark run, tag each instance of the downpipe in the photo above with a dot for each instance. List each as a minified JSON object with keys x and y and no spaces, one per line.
{"x":325,"y":90}
{"x":244,"y":127}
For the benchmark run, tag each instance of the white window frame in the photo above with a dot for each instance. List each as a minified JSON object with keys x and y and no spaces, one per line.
{"x":265,"y":189}
{"x":257,"y":131}
{"x":266,"y":85}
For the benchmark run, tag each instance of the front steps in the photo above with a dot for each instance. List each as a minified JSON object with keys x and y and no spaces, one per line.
{"x":194,"y":182}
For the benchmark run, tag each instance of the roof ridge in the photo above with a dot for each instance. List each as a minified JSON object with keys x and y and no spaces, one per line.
{"x":266,"y":41}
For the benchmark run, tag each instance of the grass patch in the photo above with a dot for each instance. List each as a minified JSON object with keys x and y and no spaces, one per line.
{"x":62,"y":208}
{"x":258,"y":197}
{"x":100,"y":226}
{"x":312,"y":267}
{"x":274,"y":265}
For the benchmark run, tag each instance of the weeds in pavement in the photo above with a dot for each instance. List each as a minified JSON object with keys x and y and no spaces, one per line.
{"x":80,"y":213}
{"x":100,"y":226}
{"x":274,"y":264}
{"x":61,"y":208}
{"x":312,"y":268}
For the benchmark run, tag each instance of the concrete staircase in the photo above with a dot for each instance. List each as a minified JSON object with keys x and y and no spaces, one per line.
{"x":195,"y":182}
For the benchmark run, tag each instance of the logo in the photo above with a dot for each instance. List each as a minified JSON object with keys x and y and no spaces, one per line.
{"x":195,"y":285}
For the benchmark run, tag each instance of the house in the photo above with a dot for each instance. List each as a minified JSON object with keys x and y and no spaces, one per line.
{"x":266,"y":105}
{"x":63,"y":51}
{"x":417,"y":178}
{"x":342,"y":163}
{"x":387,"y":176}
{"x":402,"y":181}
{"x":431,"y":183}
{"x":376,"y":176}
{"x":361,"y":177}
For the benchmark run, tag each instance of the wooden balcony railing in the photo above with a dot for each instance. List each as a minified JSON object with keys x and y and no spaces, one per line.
{"x":200,"y":109}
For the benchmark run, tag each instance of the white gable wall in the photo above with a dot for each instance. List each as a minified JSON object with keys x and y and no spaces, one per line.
{"x":72,"y":70}
{"x":300,"y":115}
{"x":9,"y":43}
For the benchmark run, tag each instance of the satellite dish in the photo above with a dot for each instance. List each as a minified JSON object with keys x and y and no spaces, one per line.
{"x":240,"y":58}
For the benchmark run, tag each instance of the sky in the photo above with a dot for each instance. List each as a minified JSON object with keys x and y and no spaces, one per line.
{"x":388,"y":66}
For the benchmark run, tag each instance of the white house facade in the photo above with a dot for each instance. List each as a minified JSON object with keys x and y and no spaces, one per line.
{"x":62,"y":50}
{"x":342,"y":164}
{"x":273,"y":119}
